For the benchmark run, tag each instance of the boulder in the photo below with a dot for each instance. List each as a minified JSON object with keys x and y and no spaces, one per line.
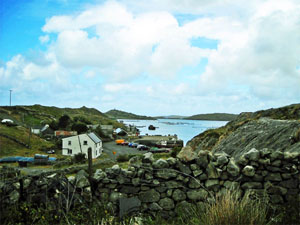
{"x":197,"y":195}
{"x":187,"y":154}
{"x":252,"y":155}
{"x":166,"y":203}
{"x":166,"y":173}
{"x":148,"y":158}
{"x":160,"y":164}
{"x":149,"y":196}
{"x":249,"y":171}
{"x":178,"y":195}
{"x":232,"y":168}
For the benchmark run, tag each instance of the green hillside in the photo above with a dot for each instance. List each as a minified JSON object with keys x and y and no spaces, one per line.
{"x":118,"y":114}
{"x":38,"y":114}
{"x":213,"y":116}
{"x":9,"y":147}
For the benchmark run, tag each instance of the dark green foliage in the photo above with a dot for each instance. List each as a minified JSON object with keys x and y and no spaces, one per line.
{"x":99,"y":132}
{"x":79,"y":158}
{"x":54,"y":125}
{"x":175,"y":151}
{"x":82,"y":120}
{"x":64,"y":121}
{"x":122,"y":158}
{"x":79,"y":127}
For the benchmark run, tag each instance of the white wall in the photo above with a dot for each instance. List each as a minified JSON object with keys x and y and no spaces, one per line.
{"x":85,"y":142}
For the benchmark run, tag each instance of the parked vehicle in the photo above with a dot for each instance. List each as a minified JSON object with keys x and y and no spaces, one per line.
{"x":159,"y":150}
{"x":134,"y":145}
{"x":142,"y":147}
{"x":120,"y":141}
{"x":124,"y":143}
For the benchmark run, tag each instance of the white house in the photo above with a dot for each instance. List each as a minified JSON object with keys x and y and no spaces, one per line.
{"x":81,"y":143}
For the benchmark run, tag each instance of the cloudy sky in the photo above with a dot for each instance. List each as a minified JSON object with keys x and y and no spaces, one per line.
{"x":151,"y":57}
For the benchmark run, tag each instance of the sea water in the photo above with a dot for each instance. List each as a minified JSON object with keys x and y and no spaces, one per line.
{"x":184,"y":129}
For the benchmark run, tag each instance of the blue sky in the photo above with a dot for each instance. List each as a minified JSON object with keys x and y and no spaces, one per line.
{"x":151,"y":57}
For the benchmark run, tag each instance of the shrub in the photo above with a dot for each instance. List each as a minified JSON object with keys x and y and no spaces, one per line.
{"x":122,"y":158}
{"x":79,"y":158}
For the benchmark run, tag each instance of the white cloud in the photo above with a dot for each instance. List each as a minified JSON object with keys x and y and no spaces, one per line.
{"x":44,"y":39}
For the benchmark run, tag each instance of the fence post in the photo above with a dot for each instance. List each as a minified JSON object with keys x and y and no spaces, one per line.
{"x":90,"y":161}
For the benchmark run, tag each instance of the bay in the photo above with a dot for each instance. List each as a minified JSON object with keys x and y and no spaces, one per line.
{"x":184,"y":129}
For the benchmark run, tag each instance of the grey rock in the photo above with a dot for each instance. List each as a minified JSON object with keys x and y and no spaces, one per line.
{"x":222,"y":159}
{"x":194,"y":183}
{"x":27,"y":182}
{"x":202,"y":177}
{"x":81,"y":179}
{"x":290,"y":155}
{"x":116,"y":169}
{"x":251,"y":185}
{"x":290,"y":184}
{"x":231,"y":185}
{"x":14,"y":197}
{"x":166,"y":203}
{"x":273,"y":177}
{"x":202,"y":159}
{"x":135,"y":161}
{"x":160,"y":164}
{"x":183,"y":168}
{"x":155,"y":207}
{"x":99,"y":175}
{"x":196,"y":173}
{"x":277,"y":190}
{"x":166,"y":173}
{"x":276,"y":163}
{"x":210,"y":184}
{"x":127,"y":189}
{"x":185,"y":209}
{"x":242,"y":160}
{"x":197,"y":195}
{"x":265,"y":152}
{"x":169,"y":192}
{"x":171,"y":161}
{"x":232,"y":168}
{"x":149,"y":196}
{"x":194,"y":167}
{"x":115,"y":196}
{"x":264,"y":161}
{"x":148,"y":158}
{"x":187,"y":154}
{"x":249,"y":171}
{"x":178,"y":195}
{"x":136,"y":181}
{"x":212,"y":172}
{"x":286,"y":176}
{"x":173,"y":184}
{"x":276,"y":155}
{"x":252,"y":155}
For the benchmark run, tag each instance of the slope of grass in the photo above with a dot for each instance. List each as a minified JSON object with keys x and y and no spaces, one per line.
{"x":11,"y":148}
{"x":118,"y":114}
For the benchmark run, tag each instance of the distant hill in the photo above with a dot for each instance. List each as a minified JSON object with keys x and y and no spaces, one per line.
{"x":213,"y":116}
{"x":118,"y":114}
{"x":38,"y":114}
{"x":171,"y":117}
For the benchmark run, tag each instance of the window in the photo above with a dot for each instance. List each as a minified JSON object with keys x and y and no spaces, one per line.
{"x":69,"y":151}
{"x":84,"y":142}
{"x":69,"y":142}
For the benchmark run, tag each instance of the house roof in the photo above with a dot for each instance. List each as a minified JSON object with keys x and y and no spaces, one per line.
{"x":94,"y":137}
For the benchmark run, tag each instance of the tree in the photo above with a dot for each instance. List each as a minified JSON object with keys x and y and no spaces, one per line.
{"x":64,"y":121}
{"x":79,"y":127}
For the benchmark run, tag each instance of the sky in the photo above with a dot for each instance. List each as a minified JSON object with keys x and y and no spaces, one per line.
{"x":151,"y":57}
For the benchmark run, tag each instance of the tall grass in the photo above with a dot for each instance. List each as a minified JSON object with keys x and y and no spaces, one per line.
{"x":231,"y":209}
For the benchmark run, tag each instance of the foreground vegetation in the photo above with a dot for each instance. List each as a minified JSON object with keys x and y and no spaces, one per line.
{"x":222,"y":210}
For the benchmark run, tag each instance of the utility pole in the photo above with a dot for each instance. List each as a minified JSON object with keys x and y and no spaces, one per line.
{"x":10,"y":97}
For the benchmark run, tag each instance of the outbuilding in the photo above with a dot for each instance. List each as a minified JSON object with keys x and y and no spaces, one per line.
{"x":81,"y":143}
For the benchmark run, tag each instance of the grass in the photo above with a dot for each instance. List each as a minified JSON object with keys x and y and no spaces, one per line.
{"x":11,"y":148}
{"x":227,"y":209}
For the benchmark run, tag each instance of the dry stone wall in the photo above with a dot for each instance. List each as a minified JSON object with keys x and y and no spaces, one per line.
{"x":166,"y":186}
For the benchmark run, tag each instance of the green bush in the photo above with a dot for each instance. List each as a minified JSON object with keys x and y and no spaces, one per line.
{"x":79,"y":158}
{"x":123,"y":158}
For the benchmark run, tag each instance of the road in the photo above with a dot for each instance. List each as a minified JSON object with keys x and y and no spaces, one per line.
{"x":111,"y":147}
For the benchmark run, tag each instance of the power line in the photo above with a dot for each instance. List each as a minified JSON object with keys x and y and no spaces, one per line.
{"x":10,"y":97}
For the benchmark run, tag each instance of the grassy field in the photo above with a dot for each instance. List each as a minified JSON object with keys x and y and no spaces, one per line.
{"x":11,"y":148}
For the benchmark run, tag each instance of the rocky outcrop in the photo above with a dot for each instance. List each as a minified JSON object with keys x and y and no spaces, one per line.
{"x":273,"y":129}
{"x":165,"y":186}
